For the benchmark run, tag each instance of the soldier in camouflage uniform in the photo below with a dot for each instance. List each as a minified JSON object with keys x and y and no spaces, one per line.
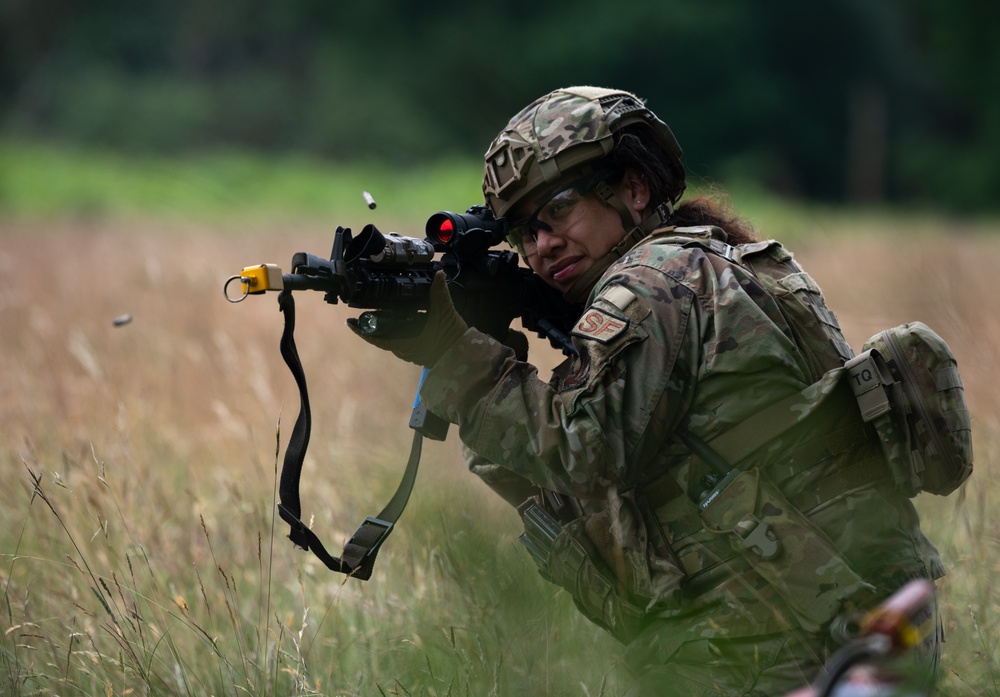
{"x":700,"y":351}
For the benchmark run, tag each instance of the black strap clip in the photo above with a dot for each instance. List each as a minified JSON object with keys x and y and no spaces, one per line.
{"x":299,"y":533}
{"x":370,"y":535}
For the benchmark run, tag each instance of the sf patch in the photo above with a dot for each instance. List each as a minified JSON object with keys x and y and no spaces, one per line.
{"x":600,"y":326}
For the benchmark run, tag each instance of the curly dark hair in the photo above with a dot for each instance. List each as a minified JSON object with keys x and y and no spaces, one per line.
{"x":636,"y":149}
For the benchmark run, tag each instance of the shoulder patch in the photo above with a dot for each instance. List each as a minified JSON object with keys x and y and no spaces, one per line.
{"x":600,"y":325}
{"x":619,"y":296}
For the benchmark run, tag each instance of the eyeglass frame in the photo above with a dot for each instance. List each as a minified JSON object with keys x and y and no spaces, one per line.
{"x":531,"y":224}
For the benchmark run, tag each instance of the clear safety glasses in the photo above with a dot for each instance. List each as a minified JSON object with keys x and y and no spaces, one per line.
{"x":556,"y":208}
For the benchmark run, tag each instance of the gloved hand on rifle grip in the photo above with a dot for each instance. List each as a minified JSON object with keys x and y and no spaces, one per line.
{"x":441,"y":328}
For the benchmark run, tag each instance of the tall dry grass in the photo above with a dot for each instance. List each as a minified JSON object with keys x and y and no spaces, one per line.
{"x":140,"y":552}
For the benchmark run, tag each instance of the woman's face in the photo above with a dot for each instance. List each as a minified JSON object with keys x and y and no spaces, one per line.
{"x":572,"y":230}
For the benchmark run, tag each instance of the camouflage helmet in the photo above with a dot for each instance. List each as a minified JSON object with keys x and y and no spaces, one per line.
{"x":561,"y":132}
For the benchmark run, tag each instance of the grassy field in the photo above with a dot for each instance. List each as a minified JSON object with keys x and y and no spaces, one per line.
{"x":139,"y":548}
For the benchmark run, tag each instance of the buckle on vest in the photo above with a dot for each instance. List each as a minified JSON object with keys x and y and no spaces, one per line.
{"x":726,"y":250}
{"x":758,"y":539}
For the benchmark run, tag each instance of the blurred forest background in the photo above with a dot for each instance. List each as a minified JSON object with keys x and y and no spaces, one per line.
{"x":832,"y":100}
{"x":150,"y":149}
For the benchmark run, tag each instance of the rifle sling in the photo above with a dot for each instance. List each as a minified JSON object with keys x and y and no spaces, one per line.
{"x":358,"y":557}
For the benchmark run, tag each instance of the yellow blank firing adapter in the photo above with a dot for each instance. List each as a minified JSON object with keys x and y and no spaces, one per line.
{"x":255,"y":280}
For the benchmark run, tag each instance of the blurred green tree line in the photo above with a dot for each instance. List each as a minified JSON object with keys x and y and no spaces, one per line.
{"x":833,"y":99}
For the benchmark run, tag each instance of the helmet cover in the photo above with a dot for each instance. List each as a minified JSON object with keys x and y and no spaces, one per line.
{"x":561,"y":132}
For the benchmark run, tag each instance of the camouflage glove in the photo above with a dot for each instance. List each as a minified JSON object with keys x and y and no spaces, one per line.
{"x":441,"y":327}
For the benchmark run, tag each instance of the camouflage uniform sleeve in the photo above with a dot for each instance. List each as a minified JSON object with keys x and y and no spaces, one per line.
{"x":513,"y":488}
{"x":576,"y":434}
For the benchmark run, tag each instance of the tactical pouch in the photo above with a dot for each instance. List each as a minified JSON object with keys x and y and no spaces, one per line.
{"x":924,"y":425}
{"x":794,"y":556}
{"x":566,"y":556}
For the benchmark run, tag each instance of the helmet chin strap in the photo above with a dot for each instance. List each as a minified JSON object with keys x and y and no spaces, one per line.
{"x":580,"y":290}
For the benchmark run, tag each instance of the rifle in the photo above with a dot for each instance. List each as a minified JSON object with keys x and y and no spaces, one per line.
{"x":389,"y":277}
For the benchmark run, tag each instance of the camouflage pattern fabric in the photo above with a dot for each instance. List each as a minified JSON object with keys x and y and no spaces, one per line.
{"x":680,"y":337}
{"x":558,"y":121}
{"x":562,"y":131}
{"x":929,"y":442}
{"x":780,"y":543}
{"x":542,"y":142}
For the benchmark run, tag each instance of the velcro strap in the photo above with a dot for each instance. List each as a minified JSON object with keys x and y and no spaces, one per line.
{"x":869,"y":382}
{"x":816,"y":450}
{"x":947,"y":378}
{"x":842,"y":348}
{"x":860,"y":472}
{"x":750,"y":434}
{"x":825,"y":315}
{"x":665,"y":490}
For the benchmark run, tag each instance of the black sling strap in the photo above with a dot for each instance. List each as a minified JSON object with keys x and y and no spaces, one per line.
{"x":359,"y":553}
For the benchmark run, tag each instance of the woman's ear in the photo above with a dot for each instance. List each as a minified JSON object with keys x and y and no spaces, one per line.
{"x":635,"y":192}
